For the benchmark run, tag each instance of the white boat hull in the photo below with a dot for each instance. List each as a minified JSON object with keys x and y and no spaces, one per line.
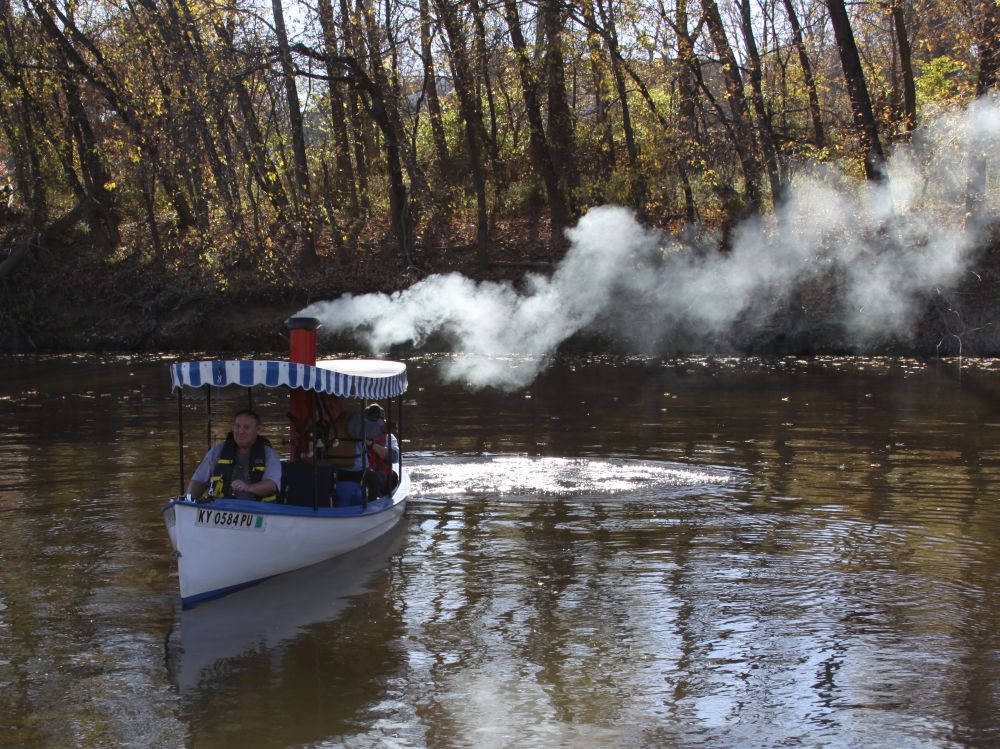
{"x":271,"y":616}
{"x":228,"y":544}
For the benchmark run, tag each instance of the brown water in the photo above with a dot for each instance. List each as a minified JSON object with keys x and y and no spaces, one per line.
{"x":633,"y":553}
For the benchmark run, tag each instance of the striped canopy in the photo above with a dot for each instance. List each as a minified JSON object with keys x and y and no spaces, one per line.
{"x":347,"y":378}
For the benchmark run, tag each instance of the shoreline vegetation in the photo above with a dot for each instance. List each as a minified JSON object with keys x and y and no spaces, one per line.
{"x":110,"y":316}
{"x":185,"y":177}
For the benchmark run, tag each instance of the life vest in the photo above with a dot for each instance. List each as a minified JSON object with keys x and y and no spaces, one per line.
{"x":376,"y":462}
{"x":222,"y":474}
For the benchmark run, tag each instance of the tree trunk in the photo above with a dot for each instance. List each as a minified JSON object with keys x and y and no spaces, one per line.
{"x":474,"y":130}
{"x":18,"y":119}
{"x":819,"y":136}
{"x":536,"y":127}
{"x":743,"y":138}
{"x":383,"y":110}
{"x":399,"y":204}
{"x":764,"y":130}
{"x":560,"y":133}
{"x":112,"y":91}
{"x":687,"y":85}
{"x":101,"y":213}
{"x":909,"y":119}
{"x":259,"y":161}
{"x":183,"y":35}
{"x":304,"y":203}
{"x":148,"y":187}
{"x":481,"y":55}
{"x":430,"y":85}
{"x":354,"y":44}
{"x":602,"y":91}
{"x":637,"y":181}
{"x":857,"y":89}
{"x":39,"y":238}
{"x":343,"y":183}
{"x":374,"y":96}
{"x":988,"y":44}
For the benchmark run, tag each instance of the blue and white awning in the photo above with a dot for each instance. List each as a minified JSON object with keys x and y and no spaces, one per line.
{"x":347,"y":378}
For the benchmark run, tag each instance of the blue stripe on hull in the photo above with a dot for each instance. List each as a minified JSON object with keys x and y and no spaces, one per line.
{"x":273,"y":508}
{"x":219,"y":592}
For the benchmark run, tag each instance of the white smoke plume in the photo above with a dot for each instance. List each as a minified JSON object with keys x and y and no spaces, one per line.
{"x":883,"y":247}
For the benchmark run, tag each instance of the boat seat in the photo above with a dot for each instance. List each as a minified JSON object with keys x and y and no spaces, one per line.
{"x":349,"y":494}
{"x":303,"y":483}
{"x":341,"y":455}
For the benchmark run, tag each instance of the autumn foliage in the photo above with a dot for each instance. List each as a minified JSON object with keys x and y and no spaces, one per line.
{"x":226,"y":147}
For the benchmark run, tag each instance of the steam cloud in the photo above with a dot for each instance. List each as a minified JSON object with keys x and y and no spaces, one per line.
{"x":884,"y":248}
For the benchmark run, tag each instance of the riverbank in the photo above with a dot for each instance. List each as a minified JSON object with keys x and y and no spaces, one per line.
{"x":66,"y":301}
{"x":66,"y":297}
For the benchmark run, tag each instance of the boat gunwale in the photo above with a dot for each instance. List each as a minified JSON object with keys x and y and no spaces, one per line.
{"x":256,"y":507}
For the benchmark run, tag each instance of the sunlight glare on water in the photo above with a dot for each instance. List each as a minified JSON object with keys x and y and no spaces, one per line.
{"x":518,"y":475}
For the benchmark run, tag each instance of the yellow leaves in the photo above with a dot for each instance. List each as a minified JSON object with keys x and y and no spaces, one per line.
{"x":110,"y":185}
{"x":944,"y":79}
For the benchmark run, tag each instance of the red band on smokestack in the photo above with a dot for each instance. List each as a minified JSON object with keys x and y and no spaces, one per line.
{"x":302,"y":339}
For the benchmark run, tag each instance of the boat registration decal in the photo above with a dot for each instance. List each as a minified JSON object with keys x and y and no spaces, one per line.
{"x":241,"y":521}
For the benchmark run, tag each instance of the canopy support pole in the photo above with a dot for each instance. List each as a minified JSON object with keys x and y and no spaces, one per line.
{"x":180,"y":435}
{"x":399,"y":434}
{"x":364,"y":453}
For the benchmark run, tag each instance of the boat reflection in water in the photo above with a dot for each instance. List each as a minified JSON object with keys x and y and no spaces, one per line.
{"x":267,"y":629}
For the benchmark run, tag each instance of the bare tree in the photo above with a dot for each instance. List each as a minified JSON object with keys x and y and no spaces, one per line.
{"x":857,"y":89}
{"x":601,"y":89}
{"x":687,"y":83}
{"x":541,"y":154}
{"x":344,"y":182}
{"x":475,"y":138}
{"x":763,"y":117}
{"x":560,"y":132}
{"x":819,"y":135}
{"x":430,"y":87}
{"x":303,"y":205}
{"x":743,"y":139}
{"x":909,"y":114}
{"x":609,"y":33}
{"x":987,"y":37}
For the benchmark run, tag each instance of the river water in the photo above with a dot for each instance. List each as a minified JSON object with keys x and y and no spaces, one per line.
{"x":631,"y":553}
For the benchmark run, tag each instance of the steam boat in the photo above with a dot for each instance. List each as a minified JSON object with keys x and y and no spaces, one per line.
{"x":321,"y":510}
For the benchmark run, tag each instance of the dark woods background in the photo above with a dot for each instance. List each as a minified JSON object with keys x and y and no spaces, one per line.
{"x":159,"y":152}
